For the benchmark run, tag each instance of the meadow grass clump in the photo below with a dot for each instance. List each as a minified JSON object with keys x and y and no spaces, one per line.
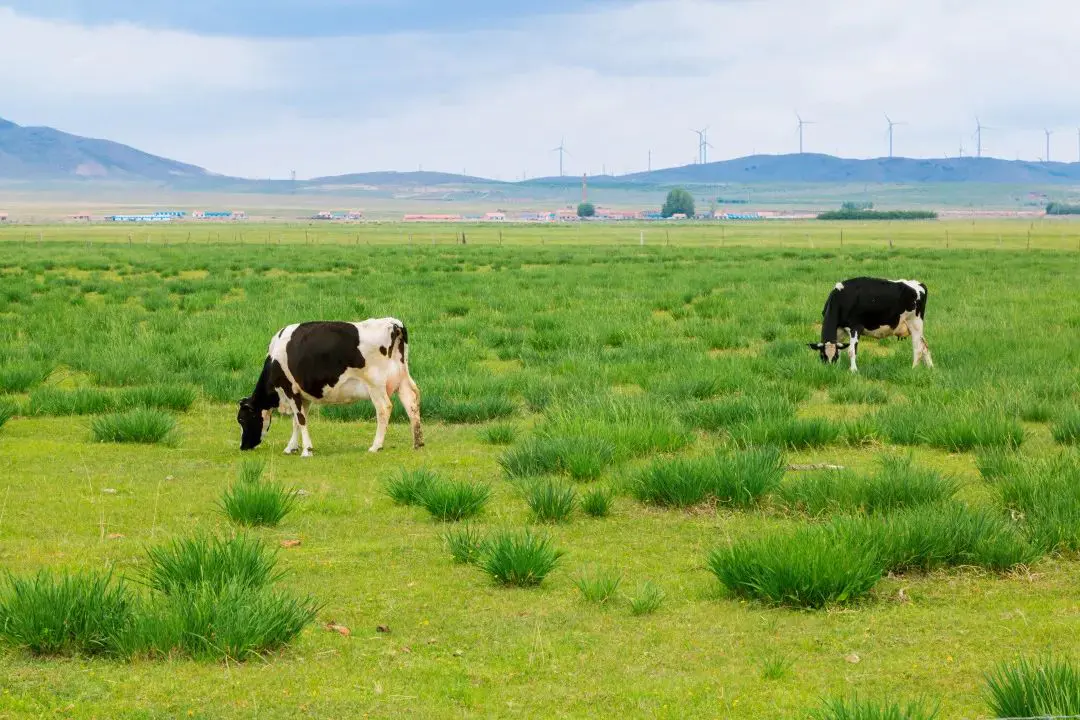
{"x":408,"y":486}
{"x":499,"y":434}
{"x":739,"y":479}
{"x":141,"y":425}
{"x":233,"y":621}
{"x":252,"y":501}
{"x":454,"y":500}
{"x":582,"y":458}
{"x":856,"y":709}
{"x":1047,"y":492}
{"x":178,"y":398}
{"x":520,"y":559}
{"x":7,"y":411}
{"x":927,"y":538}
{"x":549,"y":501}
{"x":1066,"y":431}
{"x":737,"y":410}
{"x":791,"y":433}
{"x":599,"y":587}
{"x":996,"y":463}
{"x":806,"y":568}
{"x":51,"y":401}
{"x":68,"y":614}
{"x":775,"y":666}
{"x":468,"y":410}
{"x":1024,"y":688}
{"x":596,"y":502}
{"x":632,"y":426}
{"x":185,"y":564}
{"x":466,"y":544}
{"x":21,"y":378}
{"x":648,"y":599}
{"x":948,"y":427}
{"x":858,"y":392}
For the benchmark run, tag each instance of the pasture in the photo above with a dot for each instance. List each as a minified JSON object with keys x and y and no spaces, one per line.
{"x":613,"y":513}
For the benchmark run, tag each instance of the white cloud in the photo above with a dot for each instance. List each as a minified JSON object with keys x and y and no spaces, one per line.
{"x":616,"y":82}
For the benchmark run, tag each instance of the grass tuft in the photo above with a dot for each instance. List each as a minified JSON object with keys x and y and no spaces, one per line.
{"x":599,"y":587}
{"x":855,"y":709}
{"x":252,"y":501}
{"x":520,"y":559}
{"x":739,"y":479}
{"x":1026,"y":689}
{"x":550,"y":502}
{"x":7,"y":411}
{"x":187,"y":564}
{"x":454,"y":500}
{"x":647,"y":600}
{"x":596,"y":502}
{"x":1066,"y":431}
{"x":466,"y":544}
{"x":582,"y":458}
{"x":141,"y":425}
{"x":499,"y":434}
{"x":408,"y":486}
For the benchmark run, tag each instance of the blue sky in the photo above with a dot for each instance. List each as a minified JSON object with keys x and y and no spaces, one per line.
{"x":334,"y":86}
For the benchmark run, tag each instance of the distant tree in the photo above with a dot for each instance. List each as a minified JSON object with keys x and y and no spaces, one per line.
{"x":1060,"y":208}
{"x":857,"y":205}
{"x":678,"y":201}
{"x":878,"y":215}
{"x":586,"y":209}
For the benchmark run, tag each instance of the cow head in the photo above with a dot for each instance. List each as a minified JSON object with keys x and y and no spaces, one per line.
{"x":830,"y":352}
{"x":254,"y":424}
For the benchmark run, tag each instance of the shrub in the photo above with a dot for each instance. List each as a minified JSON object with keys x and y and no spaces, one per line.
{"x":453,"y":500}
{"x":63,"y":615}
{"x":647,"y":599}
{"x":253,"y":501}
{"x":1024,"y":688}
{"x":1067,"y":430}
{"x":877,"y":215}
{"x":520,"y":559}
{"x":599,"y":587}
{"x":597,"y":502}
{"x":550,"y":502}
{"x":466,"y":544}
{"x":135,"y":426}
{"x":807,"y":568}
{"x":855,"y":709}
{"x":500,"y":434}
{"x":187,"y":564}
{"x":408,"y":486}
{"x":739,"y":479}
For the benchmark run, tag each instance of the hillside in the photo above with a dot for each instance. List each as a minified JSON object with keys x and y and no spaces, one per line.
{"x":36,"y":154}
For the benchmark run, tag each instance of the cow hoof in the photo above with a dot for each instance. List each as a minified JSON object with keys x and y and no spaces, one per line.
{"x":290,"y":451}
{"x":374,"y":449}
{"x":417,"y":446}
{"x":307,"y":453}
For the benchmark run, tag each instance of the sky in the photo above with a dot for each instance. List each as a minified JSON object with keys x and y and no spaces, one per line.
{"x":260,"y":88}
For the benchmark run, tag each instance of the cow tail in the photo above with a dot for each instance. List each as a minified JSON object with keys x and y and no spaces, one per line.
{"x":920,"y":303}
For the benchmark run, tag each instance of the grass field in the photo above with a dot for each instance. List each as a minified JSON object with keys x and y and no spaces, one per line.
{"x":673,"y":376}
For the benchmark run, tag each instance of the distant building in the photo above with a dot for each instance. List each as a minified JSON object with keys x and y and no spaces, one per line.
{"x":495,"y":217}
{"x":145,"y":218}
{"x":80,"y":217}
{"x":3,"y":217}
{"x":566,"y":215}
{"x":171,"y":213}
{"x":431,"y":218}
{"x":609,"y":214}
{"x":218,"y":215}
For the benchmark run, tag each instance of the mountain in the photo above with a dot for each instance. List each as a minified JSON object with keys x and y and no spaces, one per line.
{"x":399,"y":179}
{"x":38,"y":154}
{"x":812,"y":168}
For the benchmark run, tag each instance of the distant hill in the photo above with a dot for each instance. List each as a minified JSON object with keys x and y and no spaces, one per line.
{"x":399,"y":179}
{"x":812,"y":168}
{"x":38,"y":154}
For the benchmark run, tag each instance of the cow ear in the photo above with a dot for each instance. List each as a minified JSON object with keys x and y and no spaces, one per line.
{"x":814,"y":346}
{"x":843,"y":346}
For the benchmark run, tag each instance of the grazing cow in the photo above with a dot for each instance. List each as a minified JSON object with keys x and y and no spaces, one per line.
{"x":875,"y":307}
{"x":335,"y":363}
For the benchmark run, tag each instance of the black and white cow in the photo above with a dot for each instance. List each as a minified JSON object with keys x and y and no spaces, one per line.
{"x":875,"y":307}
{"x":335,"y":363}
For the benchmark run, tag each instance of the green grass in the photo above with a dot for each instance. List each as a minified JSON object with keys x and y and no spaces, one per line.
{"x":7,"y":411}
{"x":466,"y":544}
{"x":1067,"y":430}
{"x":454,"y":500}
{"x":598,"y":587}
{"x":1048,"y":687}
{"x":252,"y":501}
{"x":407,"y":487}
{"x":549,"y":501}
{"x":1047,"y":493}
{"x":857,"y":709}
{"x":597,"y":502}
{"x":500,"y":434}
{"x":186,"y":564}
{"x":647,"y":599}
{"x":586,"y":350}
{"x":520,"y":558}
{"x":739,"y":479}
{"x":135,"y":426}
{"x":582,"y":458}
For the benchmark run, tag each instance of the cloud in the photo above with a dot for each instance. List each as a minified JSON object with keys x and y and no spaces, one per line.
{"x":615,"y":79}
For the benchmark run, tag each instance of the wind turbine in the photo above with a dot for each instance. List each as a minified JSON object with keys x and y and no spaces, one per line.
{"x":801,"y":124}
{"x":703,"y":145}
{"x":979,"y":127}
{"x":562,"y":151}
{"x":891,"y":126}
{"x":1048,"y":134}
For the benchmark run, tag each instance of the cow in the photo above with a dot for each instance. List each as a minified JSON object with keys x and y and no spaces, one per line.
{"x":877,"y":308}
{"x":333,"y":363}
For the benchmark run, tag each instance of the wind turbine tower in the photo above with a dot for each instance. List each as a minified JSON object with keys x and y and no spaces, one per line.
{"x":802,"y":123}
{"x":979,"y":127}
{"x":1048,"y":134}
{"x":891,"y":126}
{"x":562,"y":151}
{"x":703,"y":145}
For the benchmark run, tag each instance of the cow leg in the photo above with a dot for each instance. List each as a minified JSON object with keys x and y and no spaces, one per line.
{"x":410,"y":398}
{"x":853,"y":350}
{"x":919,"y":348}
{"x":301,"y":419}
{"x":383,"y":407}
{"x":294,"y":438}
